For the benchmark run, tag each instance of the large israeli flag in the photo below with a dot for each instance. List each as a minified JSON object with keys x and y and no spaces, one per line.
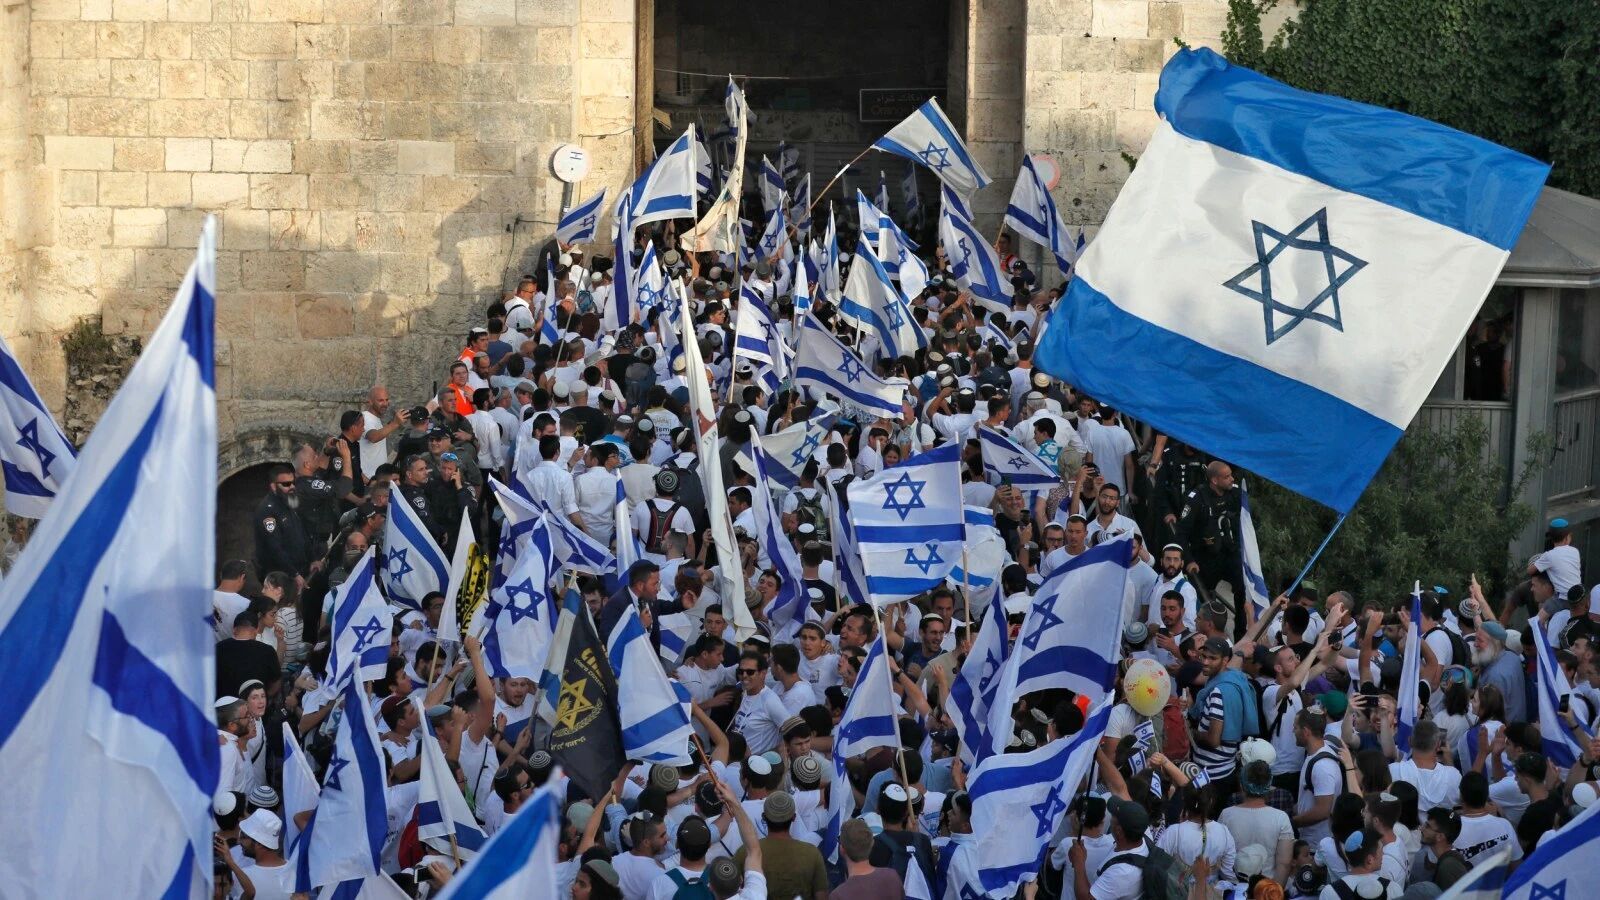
{"x":106,"y":648}
{"x":704,"y":172}
{"x":870,"y":721}
{"x":1072,"y":636}
{"x":442,"y":811}
{"x":803,"y":282}
{"x":1563,"y":744}
{"x":846,"y":555}
{"x":571,"y":546}
{"x":1014,"y":464}
{"x":520,"y":615}
{"x":973,"y":263}
{"x":1255,"y":583}
{"x":35,"y":456}
{"x":973,"y":689}
{"x":895,"y":249}
{"x":775,"y":236}
{"x":952,"y":201}
{"x":300,"y":788}
{"x":646,"y":290}
{"x":823,"y":363}
{"x":344,"y":838}
{"x":927,"y":137}
{"x":519,"y":861}
{"x":1316,"y":263}
{"x":654,"y":726}
{"x":1018,"y":800}
{"x":909,"y":524}
{"x":1486,"y":881}
{"x":791,"y":602}
{"x":580,"y":222}
{"x":667,"y":189}
{"x":870,"y":300}
{"x":1561,"y":864}
{"x":362,"y":625}
{"x":1032,"y":214}
{"x":413,"y":564}
{"x":755,"y":333}
{"x":869,"y":219}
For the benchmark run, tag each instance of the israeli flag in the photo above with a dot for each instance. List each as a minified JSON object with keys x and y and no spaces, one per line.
{"x":629,"y":548}
{"x":916,"y":884}
{"x":1255,"y":584}
{"x":1561,"y":862}
{"x":1032,"y":214}
{"x":802,"y":285}
{"x":870,"y":721}
{"x":442,"y":811}
{"x":677,"y":629}
{"x":362,"y":625}
{"x":1486,"y":880}
{"x":734,"y":105}
{"x":950,"y":200}
{"x":1410,"y":673}
{"x":647,"y":289}
{"x":1014,"y":464}
{"x":755,"y":334}
{"x":344,"y":838}
{"x":846,"y":558}
{"x":654,"y":727}
{"x":788,"y":161}
{"x":791,"y":603}
{"x":373,"y":887}
{"x":667,"y":189}
{"x":519,"y":861}
{"x":771,"y":187}
{"x":555,"y":662}
{"x":1563,"y":744}
{"x":518,"y":618}
{"x":974,"y":263}
{"x":972,"y":692}
{"x":828,"y":366}
{"x":1018,"y":800}
{"x":106,"y":645}
{"x":790,"y":449}
{"x":909,"y":524}
{"x":881,"y":199}
{"x":300,"y":788}
{"x":1295,"y":227}
{"x":776,"y":234}
{"x":926,"y":137}
{"x":869,"y":219}
{"x":704,"y":173}
{"x":582,"y":221}
{"x":908,"y":194}
{"x":618,"y":313}
{"x":573,"y":548}
{"x":35,"y":456}
{"x":994,"y":334}
{"x":831,"y":282}
{"x":870,"y":300}
{"x":547,"y":316}
{"x":413,"y":564}
{"x":800,"y":209}
{"x":1072,"y":636}
{"x":894,"y":248}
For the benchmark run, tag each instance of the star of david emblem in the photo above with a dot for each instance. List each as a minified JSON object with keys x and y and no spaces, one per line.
{"x":1047,"y":809}
{"x":30,"y":441}
{"x":1017,"y":462}
{"x":573,"y":704}
{"x":528,"y":610}
{"x":365,"y":634}
{"x":851,"y":369}
{"x":896,"y":319}
{"x":1557,"y":891}
{"x":991,"y":668}
{"x":806,"y":448}
{"x":927,"y":563}
{"x":588,"y":222}
{"x":1325,"y":264}
{"x":507,"y":546}
{"x":892,"y":499}
{"x":965,"y":263}
{"x":935,"y":151}
{"x":648,"y":296}
{"x":1047,"y":619}
{"x":398,"y":556}
{"x":330,"y":781}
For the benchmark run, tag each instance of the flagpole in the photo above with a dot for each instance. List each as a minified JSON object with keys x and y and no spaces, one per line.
{"x":1313,"y":560}
{"x":835,"y":177}
{"x":538,"y":694}
{"x":899,"y":756}
{"x":966,"y":588}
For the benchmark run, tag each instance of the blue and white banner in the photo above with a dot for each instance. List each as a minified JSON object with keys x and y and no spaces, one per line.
{"x":846,"y":558}
{"x":667,"y":189}
{"x":516,"y":622}
{"x":1032,"y":214}
{"x":300,"y":789}
{"x":344,"y":838}
{"x":950,"y":200}
{"x":442,"y":810}
{"x":555,"y":662}
{"x":995,"y":333}
{"x":1072,"y":636}
{"x":791,"y":602}
{"x":870,"y":721}
{"x":1563,"y":743}
{"x":1014,"y":464}
{"x":572,"y":547}
{"x":915,"y":884}
{"x":870,"y":300}
{"x":756,"y":337}
{"x":35,"y":456}
{"x":107,"y":735}
{"x":895,"y":249}
{"x":1486,"y":881}
{"x":803,"y":284}
{"x":975,"y":684}
{"x":823,"y":363}
{"x":973,"y":263}
{"x":1255,"y":583}
{"x":1018,"y":800}
{"x":580,"y":222}
{"x":519,"y":861}
{"x":648,"y":286}
{"x":788,"y":162}
{"x":1315,"y":240}
{"x":791,"y":448}
{"x":1560,"y":862}
{"x":362,"y":625}
{"x":800,"y":207}
{"x":373,"y":887}
{"x":1410,"y":673}
{"x":654,"y":726}
{"x":775,"y":236}
{"x":831,"y":282}
{"x":771,"y":187}
{"x":909,"y":196}
{"x":705,"y":174}
{"x":927,"y":137}
{"x":881,"y":198}
{"x":869,"y":219}
{"x":413,"y":564}
{"x":909,"y":524}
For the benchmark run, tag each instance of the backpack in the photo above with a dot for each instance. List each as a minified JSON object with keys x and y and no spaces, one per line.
{"x":810,"y":509}
{"x":1459,"y":654}
{"x":1311,"y":763}
{"x":660,"y":524}
{"x":690,"y":888}
{"x":1346,"y":892}
{"x":1160,"y":876}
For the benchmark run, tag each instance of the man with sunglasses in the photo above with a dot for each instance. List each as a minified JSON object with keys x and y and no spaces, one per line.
{"x":282,"y":544}
{"x":761,"y":711}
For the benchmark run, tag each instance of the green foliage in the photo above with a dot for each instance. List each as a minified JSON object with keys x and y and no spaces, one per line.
{"x":1522,"y":73}
{"x":1435,"y":512}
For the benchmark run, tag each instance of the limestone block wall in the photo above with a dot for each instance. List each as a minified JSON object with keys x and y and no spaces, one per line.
{"x":365,"y":158}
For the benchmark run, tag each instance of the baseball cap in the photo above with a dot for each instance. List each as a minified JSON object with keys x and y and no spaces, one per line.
{"x":1132,"y":817}
{"x":1217,"y":646}
{"x":604,"y":871}
{"x":778,"y":809}
{"x":263,"y":827}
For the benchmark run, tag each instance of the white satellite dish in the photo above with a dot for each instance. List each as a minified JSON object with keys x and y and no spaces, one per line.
{"x":570,"y":163}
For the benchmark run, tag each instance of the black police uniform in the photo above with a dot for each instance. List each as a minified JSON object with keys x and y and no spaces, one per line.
{"x":282,"y":544}
{"x":1209,"y":528}
{"x":421,"y":500}
{"x":319,"y":506}
{"x":1180,"y":475}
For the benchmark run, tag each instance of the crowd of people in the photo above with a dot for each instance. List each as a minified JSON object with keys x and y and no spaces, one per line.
{"x":1272,"y":768}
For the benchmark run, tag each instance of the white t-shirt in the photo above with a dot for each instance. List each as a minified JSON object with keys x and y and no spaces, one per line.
{"x":1486,"y":834}
{"x":1119,"y":881}
{"x":755,"y":887}
{"x":1443,"y":650}
{"x":759,"y":718}
{"x":373,"y":453}
{"x":1290,"y":754}
{"x":1509,"y":798}
{"x":1185,"y":840}
{"x":636,"y":875}
{"x":1109,"y":444}
{"x":1438,"y":786}
{"x":822,"y":673}
{"x":270,"y":882}
{"x":1264,"y":827}
{"x":1327,"y":780}
{"x":228,"y":606}
{"x":1564,"y":566}
{"x":665,"y":888}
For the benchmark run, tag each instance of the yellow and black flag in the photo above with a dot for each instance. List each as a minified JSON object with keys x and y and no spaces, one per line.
{"x":585,"y":735}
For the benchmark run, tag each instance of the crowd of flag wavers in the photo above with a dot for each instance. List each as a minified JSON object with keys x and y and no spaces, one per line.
{"x":829,"y":553}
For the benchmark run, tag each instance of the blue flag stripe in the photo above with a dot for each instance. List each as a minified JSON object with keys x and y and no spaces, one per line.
{"x":513,"y":845}
{"x":143,"y":690}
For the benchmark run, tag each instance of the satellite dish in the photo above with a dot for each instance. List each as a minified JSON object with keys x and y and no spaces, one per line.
{"x":570,"y":163}
{"x":1046,"y":166}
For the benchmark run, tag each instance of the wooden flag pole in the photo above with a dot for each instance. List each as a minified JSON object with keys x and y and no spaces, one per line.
{"x":818,"y":197}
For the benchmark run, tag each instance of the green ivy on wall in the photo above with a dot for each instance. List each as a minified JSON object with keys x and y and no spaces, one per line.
{"x":1523,"y":73}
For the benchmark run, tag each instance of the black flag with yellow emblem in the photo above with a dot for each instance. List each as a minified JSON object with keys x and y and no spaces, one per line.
{"x":586,"y":736}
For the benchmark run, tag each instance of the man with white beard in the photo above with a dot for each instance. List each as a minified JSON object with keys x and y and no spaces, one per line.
{"x":1502,"y":668}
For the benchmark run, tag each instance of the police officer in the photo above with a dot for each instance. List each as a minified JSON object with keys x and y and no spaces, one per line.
{"x":414,"y":488}
{"x":281,"y":541}
{"x":1181,"y":472}
{"x":319,"y":489}
{"x":1209,"y":528}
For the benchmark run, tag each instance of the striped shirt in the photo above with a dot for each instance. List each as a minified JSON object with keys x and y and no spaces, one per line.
{"x":1219,"y":761}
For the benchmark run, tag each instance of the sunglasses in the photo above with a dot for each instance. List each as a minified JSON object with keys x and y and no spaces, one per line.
{"x":285,"y":484}
{"x":746,"y":673}
{"x":449,"y":457}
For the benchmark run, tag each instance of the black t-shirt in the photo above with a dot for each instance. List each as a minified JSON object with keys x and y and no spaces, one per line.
{"x":239,"y":661}
{"x":895,"y":849}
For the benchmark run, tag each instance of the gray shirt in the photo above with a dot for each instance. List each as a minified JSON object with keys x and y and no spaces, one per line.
{"x":1505,"y":673}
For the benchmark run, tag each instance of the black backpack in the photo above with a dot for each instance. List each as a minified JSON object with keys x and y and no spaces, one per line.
{"x":1160,"y":877}
{"x":660,"y":524}
{"x":1460,"y":655}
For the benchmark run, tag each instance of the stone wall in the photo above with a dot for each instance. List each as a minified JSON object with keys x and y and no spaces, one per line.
{"x":366,"y":160}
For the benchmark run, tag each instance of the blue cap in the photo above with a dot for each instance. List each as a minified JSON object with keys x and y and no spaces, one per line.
{"x":1558,"y":523}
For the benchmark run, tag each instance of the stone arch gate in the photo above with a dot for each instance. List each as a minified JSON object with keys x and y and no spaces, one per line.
{"x":242,"y":463}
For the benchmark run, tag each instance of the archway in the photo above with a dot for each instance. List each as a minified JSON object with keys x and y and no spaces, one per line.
{"x":242,"y":466}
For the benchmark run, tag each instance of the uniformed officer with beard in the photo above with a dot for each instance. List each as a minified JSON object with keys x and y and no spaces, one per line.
{"x":281,"y":541}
